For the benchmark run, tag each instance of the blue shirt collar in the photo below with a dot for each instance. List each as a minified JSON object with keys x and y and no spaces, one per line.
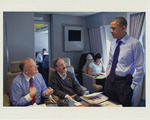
{"x":124,"y":39}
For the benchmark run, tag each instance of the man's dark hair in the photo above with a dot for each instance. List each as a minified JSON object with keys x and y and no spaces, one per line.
{"x":44,"y":49}
{"x":55,"y":62}
{"x":97,"y":56}
{"x":21,"y":66}
{"x":121,"y":21}
{"x":23,"y":62}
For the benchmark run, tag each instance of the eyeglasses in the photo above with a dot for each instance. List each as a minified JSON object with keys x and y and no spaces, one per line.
{"x":33,"y":65}
{"x":63,"y":64}
{"x":30,"y":67}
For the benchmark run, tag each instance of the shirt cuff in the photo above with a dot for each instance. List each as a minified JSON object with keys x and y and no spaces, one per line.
{"x":133,"y":86}
{"x":66,"y":96}
{"x":28,"y":98}
{"x":45,"y":95}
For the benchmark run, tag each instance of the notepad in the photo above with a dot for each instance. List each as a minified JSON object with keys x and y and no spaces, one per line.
{"x":101,"y":76}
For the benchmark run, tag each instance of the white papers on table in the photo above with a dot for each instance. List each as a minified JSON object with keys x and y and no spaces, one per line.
{"x":101,"y":76}
{"x":109,"y":104}
{"x":95,"y":98}
{"x":40,"y":105}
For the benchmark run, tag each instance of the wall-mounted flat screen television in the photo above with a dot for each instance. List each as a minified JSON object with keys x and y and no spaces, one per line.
{"x":74,"y":35}
{"x":73,"y":38}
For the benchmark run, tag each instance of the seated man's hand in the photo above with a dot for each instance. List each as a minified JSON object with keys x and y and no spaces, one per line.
{"x":68,"y":97}
{"x":49,"y":91}
{"x":32,"y":91}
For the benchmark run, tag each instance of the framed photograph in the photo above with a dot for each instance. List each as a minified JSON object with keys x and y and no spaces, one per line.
{"x":73,"y":38}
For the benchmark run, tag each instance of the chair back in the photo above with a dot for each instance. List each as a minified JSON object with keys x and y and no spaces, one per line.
{"x":14,"y":66}
{"x":66,"y":60}
{"x":68,"y":66}
{"x":89,"y":59}
{"x":14,"y":71}
{"x":85,"y":67}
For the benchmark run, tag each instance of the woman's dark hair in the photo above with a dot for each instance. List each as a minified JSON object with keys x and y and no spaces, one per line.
{"x":97,"y":56}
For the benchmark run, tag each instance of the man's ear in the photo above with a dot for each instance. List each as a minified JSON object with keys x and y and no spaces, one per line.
{"x":56,"y":68}
{"x":123,"y":27}
{"x":25,"y":71}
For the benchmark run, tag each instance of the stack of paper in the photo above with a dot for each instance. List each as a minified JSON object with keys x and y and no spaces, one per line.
{"x":94,"y":99}
{"x":40,"y":105}
{"x":109,"y":104}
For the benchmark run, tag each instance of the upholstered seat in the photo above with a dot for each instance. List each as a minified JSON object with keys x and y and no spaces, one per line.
{"x":14,"y":71}
{"x":89,"y":81}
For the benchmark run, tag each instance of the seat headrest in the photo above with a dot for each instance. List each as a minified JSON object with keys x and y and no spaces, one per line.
{"x":66,"y":60}
{"x":85,"y":67}
{"x":9,"y":78}
{"x":89,"y":57}
{"x":14,"y":66}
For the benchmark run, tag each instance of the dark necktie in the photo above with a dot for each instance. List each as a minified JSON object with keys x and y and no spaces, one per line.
{"x":111,"y":76}
{"x":31,"y":85}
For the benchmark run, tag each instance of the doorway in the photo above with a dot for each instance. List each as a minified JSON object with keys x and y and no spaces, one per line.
{"x":41,"y":38}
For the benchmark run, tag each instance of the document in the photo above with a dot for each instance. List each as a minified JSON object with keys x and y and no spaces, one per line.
{"x":40,"y":105}
{"x":101,"y":76}
{"x":109,"y":104}
{"x":95,"y":98}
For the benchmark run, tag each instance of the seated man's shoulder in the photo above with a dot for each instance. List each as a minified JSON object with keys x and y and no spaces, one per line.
{"x":54,"y":73}
{"x":17,"y":79}
{"x":38,"y":74}
{"x":69,"y":73}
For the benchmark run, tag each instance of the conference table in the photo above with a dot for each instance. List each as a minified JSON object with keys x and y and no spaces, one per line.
{"x":83,"y":103}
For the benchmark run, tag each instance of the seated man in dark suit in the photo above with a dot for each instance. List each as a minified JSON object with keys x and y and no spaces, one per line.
{"x":64,"y":83}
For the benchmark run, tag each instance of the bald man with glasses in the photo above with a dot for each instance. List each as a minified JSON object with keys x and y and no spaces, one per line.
{"x":28,"y":87}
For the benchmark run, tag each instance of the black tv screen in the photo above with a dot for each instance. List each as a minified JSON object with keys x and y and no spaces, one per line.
{"x":74,"y":35}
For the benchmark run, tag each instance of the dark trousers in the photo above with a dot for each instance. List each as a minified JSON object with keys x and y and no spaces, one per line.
{"x":119,"y":90}
{"x":100,"y":82}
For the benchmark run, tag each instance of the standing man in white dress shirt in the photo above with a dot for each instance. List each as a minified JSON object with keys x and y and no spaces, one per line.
{"x":125,"y":70}
{"x":39,"y":58}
